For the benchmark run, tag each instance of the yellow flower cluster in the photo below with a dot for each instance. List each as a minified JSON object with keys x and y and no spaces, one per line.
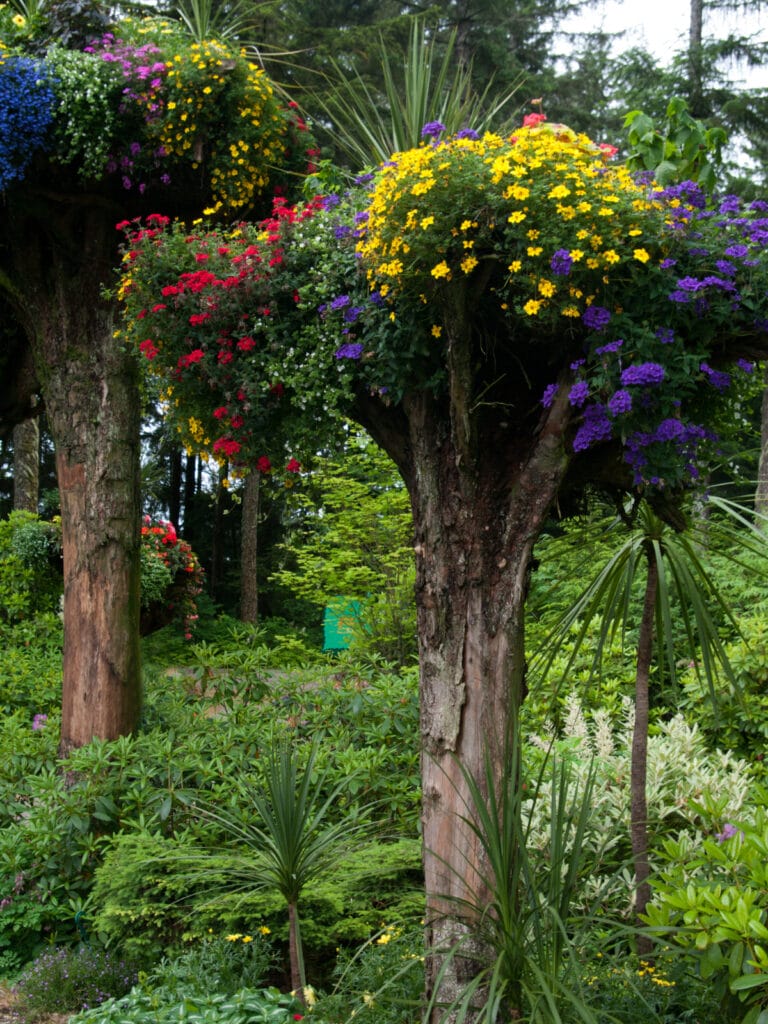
{"x":545,"y":194}
{"x":221,"y":114}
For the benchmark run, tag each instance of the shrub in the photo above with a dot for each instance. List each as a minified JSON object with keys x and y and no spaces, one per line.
{"x":69,"y":979}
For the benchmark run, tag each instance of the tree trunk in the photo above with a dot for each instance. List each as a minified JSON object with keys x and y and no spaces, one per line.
{"x":174,"y":487}
{"x":64,"y":249}
{"x":249,"y":546}
{"x":480,"y":495}
{"x":639,"y":767}
{"x":695,"y":59}
{"x":26,"y":465}
{"x":761,"y":494}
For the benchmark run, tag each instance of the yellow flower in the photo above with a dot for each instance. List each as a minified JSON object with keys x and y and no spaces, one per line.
{"x":467,"y":224}
{"x":247,"y":938}
{"x":570,"y":311}
{"x":546,"y":288}
{"x":437,"y":330}
{"x":516,"y":217}
{"x":576,"y":255}
{"x":534,"y":250}
{"x":384,"y":939}
{"x":426,"y":222}
{"x":468,"y":264}
{"x":611,"y":256}
{"x":514,"y":266}
{"x":234,"y":938}
{"x":441,"y":270}
{"x":264,"y":930}
{"x":532,"y":306}
{"x":641,"y":255}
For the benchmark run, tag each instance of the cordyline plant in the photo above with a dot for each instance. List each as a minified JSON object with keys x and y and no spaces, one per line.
{"x":517,"y":318}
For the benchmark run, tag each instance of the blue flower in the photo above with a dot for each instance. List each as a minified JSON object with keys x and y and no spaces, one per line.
{"x":26,"y":112}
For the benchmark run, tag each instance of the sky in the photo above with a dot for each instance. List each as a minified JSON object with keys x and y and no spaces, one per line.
{"x":661,"y":26}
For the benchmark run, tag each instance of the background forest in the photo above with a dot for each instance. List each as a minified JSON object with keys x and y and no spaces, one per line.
{"x":252,"y":850}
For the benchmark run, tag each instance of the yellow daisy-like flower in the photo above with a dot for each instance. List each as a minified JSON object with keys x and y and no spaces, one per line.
{"x":576,"y":255}
{"x":384,"y":939}
{"x":642,"y":255}
{"x":516,"y":217}
{"x":426,"y":221}
{"x":532,"y":306}
{"x":235,"y":937}
{"x":264,"y":930}
{"x":247,"y":938}
{"x":441,"y":269}
{"x":468,"y":264}
{"x":437,"y":330}
{"x":546,"y":288}
{"x":611,"y":256}
{"x":514,"y":266}
{"x":570,"y":311}
{"x":535,"y":250}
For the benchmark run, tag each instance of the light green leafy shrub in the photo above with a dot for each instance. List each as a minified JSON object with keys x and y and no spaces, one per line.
{"x":711,"y":899}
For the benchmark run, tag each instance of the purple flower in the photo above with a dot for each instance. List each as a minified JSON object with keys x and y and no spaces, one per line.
{"x":619,"y":402}
{"x":38,"y":722}
{"x":729,"y":831}
{"x":730,"y":204}
{"x":596,"y":318}
{"x":717,"y":378}
{"x":612,"y":346}
{"x":666,"y":264}
{"x":549,"y":395}
{"x":643,"y":374}
{"x":738,"y":251}
{"x":561,"y":263}
{"x":467,"y":133}
{"x":745,"y":366}
{"x":432,"y":129}
{"x":352,"y":350}
{"x":340,"y":302}
{"x":665,"y":335}
{"x":595,"y":427}
{"x":578,"y":394}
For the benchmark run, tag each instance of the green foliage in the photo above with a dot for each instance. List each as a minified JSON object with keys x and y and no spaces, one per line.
{"x":218,"y":963}
{"x":682,"y":149}
{"x":30,"y":669}
{"x":143,"y":1005}
{"x":352,"y":536}
{"x":72,"y":979}
{"x":710,"y":899}
{"x":30,"y":566}
{"x":381,"y":981}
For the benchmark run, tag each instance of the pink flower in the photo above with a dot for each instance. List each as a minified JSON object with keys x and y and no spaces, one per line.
{"x":531,"y":120}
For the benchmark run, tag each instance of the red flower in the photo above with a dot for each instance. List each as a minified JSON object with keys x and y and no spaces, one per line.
{"x":199,"y":318}
{"x":148,"y":348}
{"x":531,"y":120}
{"x":263,"y":464}
{"x":159,"y":307}
{"x":221,"y":412}
{"x":236,"y":422}
{"x":294,"y":466}
{"x":246,"y":344}
{"x":227,"y":445}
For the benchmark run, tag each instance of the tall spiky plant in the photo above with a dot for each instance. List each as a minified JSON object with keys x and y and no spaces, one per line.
{"x":420,"y":86}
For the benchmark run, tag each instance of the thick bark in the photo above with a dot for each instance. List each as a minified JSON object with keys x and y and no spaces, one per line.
{"x":26,"y":465}
{"x":249,"y":547}
{"x":761,"y":494}
{"x":63,"y":250}
{"x":639,"y":766}
{"x":174,"y":486}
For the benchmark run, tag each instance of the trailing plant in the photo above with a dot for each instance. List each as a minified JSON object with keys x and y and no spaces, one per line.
{"x":143,"y":1005}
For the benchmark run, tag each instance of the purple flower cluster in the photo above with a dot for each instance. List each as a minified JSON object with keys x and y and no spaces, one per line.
{"x":620,"y":402}
{"x":686,"y":438}
{"x":644,"y":374}
{"x":38,"y":722}
{"x":596,"y":318}
{"x":561,"y":263}
{"x":719,"y":380}
{"x":595,"y":427}
{"x":432,"y":129}
{"x":578,"y":394}
{"x":352,"y":350}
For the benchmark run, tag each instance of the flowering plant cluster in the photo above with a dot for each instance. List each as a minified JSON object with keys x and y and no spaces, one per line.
{"x":170,"y":572}
{"x":628,"y":296}
{"x":26,"y":112}
{"x":153,"y":108}
{"x":232,"y":323}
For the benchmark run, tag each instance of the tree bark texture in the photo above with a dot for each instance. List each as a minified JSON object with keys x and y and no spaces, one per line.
{"x":63,"y":250}
{"x":249,"y":548}
{"x":639,"y":766}
{"x":26,"y":465}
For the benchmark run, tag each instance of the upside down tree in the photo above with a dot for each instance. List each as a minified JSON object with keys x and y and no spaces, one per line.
{"x":90,"y":135}
{"x":512,"y":319}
